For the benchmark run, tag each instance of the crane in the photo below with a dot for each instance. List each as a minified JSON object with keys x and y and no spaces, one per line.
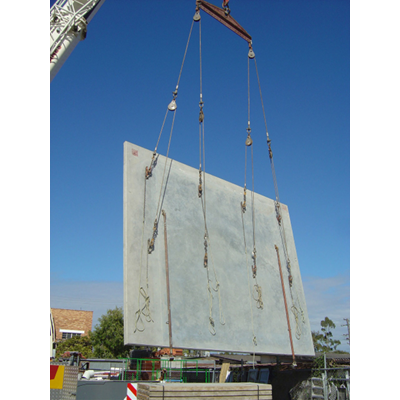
{"x":69,"y":20}
{"x":68,"y":26}
{"x":223,"y":16}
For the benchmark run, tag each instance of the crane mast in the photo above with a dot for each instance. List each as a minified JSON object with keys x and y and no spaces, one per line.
{"x":68,"y":26}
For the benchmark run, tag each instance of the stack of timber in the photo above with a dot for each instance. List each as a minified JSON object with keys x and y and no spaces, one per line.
{"x":204,"y":391}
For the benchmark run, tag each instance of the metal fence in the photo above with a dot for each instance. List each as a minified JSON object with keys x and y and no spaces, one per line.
{"x":167,"y":370}
{"x":322,"y":382}
{"x":333,"y":384}
{"x":326,"y":383}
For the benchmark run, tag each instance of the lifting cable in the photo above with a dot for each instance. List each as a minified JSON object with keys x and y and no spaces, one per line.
{"x":248,"y":280}
{"x":202,"y":195}
{"x":144,"y":311}
{"x":297,"y":311}
{"x":172,"y":106}
{"x":257,"y":291}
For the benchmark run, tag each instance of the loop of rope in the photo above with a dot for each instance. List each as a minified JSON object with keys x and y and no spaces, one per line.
{"x":296,"y":312}
{"x":211,"y":323}
{"x":257,"y":296}
{"x":138,"y":321}
{"x":145,"y":311}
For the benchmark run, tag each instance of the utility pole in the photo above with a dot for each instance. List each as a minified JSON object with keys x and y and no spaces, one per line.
{"x":347,"y":335}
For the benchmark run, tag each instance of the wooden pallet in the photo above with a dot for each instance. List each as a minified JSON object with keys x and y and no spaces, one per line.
{"x":204,"y":391}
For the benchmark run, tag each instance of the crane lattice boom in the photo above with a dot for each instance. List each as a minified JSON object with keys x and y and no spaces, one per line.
{"x":68,"y":26}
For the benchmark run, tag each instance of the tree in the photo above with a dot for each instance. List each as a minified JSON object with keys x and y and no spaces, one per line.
{"x":108,"y":335}
{"x":81,"y":344}
{"x":323,"y":341}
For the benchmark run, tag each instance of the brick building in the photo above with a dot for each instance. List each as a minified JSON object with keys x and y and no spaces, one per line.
{"x":69,"y":323}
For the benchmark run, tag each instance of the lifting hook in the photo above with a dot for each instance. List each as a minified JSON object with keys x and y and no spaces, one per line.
{"x":150,"y":245}
{"x":205,"y":260}
{"x":172,"y":105}
{"x":251,"y":52}
{"x":243,"y":203}
{"x":249,"y":140}
{"x":254,"y":268}
{"x":200,"y":188}
{"x":225,"y":6}
{"x":201,"y":113}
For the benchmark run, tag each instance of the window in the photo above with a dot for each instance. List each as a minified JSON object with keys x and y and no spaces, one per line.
{"x":69,"y":335}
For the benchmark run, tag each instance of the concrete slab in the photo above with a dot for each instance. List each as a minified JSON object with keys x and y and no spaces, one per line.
{"x":232,"y":307}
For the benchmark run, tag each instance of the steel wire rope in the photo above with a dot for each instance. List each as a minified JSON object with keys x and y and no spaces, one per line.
{"x":248,"y":279}
{"x":176,"y":89}
{"x":256,"y":287}
{"x":217,"y":290}
{"x":161,"y":131}
{"x":142,"y":292}
{"x":145,"y":310}
{"x":173,"y":120}
{"x":257,"y":290}
{"x":249,"y":142}
{"x":252,"y":155}
{"x":149,"y":170}
{"x":175,"y":93}
{"x":207,"y":246}
{"x":294,"y":309}
{"x":202,"y":195}
{"x":201,"y":69}
{"x":158,"y":212}
{"x":184,"y":56}
{"x":211,"y":324}
{"x":245,"y":168}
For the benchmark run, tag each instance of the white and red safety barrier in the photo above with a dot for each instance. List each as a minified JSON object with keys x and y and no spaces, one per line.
{"x":131,"y":391}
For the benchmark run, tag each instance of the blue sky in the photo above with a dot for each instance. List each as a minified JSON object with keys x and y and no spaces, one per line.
{"x":115,"y":87}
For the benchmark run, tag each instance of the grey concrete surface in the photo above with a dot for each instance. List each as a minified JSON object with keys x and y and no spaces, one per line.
{"x":233,"y":309}
{"x":102,"y":390}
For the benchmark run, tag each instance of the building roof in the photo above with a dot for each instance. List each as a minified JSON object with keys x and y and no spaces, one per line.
{"x":337,"y":357}
{"x":71,"y":320}
{"x":248,"y":358}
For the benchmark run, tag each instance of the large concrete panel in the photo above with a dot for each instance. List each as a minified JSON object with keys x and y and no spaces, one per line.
{"x":224,"y":292}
